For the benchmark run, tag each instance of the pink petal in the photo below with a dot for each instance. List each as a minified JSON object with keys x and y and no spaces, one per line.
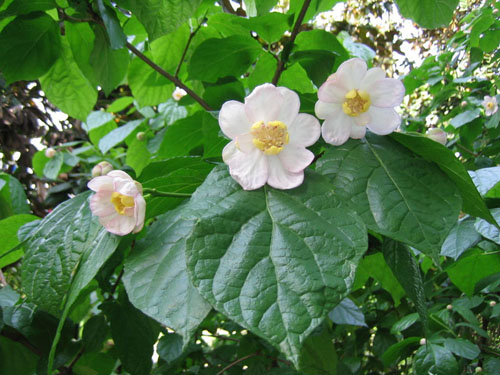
{"x":388,"y":92}
{"x":140,"y":213}
{"x":118,"y":224}
{"x":119,"y":174}
{"x":372,"y":76}
{"x":291,"y":106}
{"x":295,"y":158}
{"x":101,"y":183}
{"x":337,"y":129}
{"x":233,"y":120}
{"x":351,"y":73}
{"x":280,"y":178}
{"x":383,"y":120}
{"x":325,"y":109}
{"x":100,"y":205}
{"x":304,"y":131}
{"x":264,"y":104}
{"x":249,"y":170}
{"x":126,"y":187}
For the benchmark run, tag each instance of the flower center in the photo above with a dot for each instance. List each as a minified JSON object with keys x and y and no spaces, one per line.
{"x":356,"y":102}
{"x":122,"y":202}
{"x":271,"y":137}
{"x":490,"y":105}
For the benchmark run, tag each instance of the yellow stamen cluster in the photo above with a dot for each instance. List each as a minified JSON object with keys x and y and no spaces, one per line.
{"x":121,"y":202}
{"x":271,"y":137}
{"x":490,"y":105}
{"x":356,"y":102}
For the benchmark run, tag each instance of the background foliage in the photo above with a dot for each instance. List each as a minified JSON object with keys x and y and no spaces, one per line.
{"x":389,"y":241}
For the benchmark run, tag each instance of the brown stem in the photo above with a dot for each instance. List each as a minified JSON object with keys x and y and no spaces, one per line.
{"x":226,"y":5}
{"x":237,"y":361}
{"x":281,"y":65}
{"x":168,"y":76}
{"x":77,"y":357}
{"x":191,"y":36}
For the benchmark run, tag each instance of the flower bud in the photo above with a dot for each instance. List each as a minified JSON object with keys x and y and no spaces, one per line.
{"x":463,"y":104}
{"x":478,"y":370}
{"x":178,"y":94}
{"x":493,"y":303}
{"x":140,"y":136}
{"x":437,"y":134}
{"x":63,"y":176}
{"x":423,"y":341}
{"x":102,"y":169}
{"x":50,"y":153}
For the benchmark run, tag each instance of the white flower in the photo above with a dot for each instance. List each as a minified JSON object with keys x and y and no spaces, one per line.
{"x":118,"y":202}
{"x":178,"y":93}
{"x":50,"y":153}
{"x":269,"y":138}
{"x":102,"y":169}
{"x":354,"y":98}
{"x":437,"y":134}
{"x":490,"y":105}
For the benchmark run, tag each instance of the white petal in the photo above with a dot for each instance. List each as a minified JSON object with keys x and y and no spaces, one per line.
{"x":388,"y":92}
{"x":244,"y":143}
{"x":264,"y":104}
{"x":126,"y":187}
{"x":140,"y":213}
{"x":101,"y":183}
{"x":280,"y":178}
{"x":357,"y":132}
{"x":305,"y":130}
{"x":362,"y":119}
{"x":332,"y":91}
{"x":324,"y":109}
{"x":351,"y":73}
{"x":249,"y":170}
{"x":383,"y":120}
{"x":233,"y":120}
{"x":372,"y":76}
{"x":291,"y":105}
{"x":118,"y":224}
{"x":119,"y":174}
{"x":100,"y":204}
{"x":337,"y":129}
{"x":295,"y":158}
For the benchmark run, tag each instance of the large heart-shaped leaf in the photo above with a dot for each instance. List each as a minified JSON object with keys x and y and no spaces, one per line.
{"x":274,"y":261}
{"x":395,"y":192}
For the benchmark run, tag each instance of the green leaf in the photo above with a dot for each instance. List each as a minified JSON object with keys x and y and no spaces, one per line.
{"x":161,"y":17}
{"x":64,"y":253}
{"x":118,"y":135}
{"x":81,"y":40}
{"x":435,"y":359}
{"x":117,"y":37}
{"x":13,"y":199}
{"x":30,"y":46}
{"x":20,"y":7}
{"x":15,"y":358}
{"x":135,"y":343}
{"x":404,"y":323}
{"x":8,"y":233}
{"x":346,"y":312}
{"x":182,"y":136}
{"x":120,"y":104}
{"x":138,"y":156}
{"x":462,"y":237}
{"x":53,"y":167}
{"x":148,"y":86}
{"x":97,"y":119}
{"x":315,"y":7}
{"x":156,"y":278}
{"x":269,"y":27}
{"x":317,"y":63}
{"x":170,"y":347}
{"x":485,"y":179}
{"x":259,"y":7}
{"x":488,"y":230}
{"x":94,"y":333}
{"x":109,"y":65}
{"x":356,"y":49}
{"x":393,"y":191}
{"x":167,"y":51}
{"x":453,"y":167}
{"x":471,"y":268}
{"x":428,"y":13}
{"x":216,"y":58}
{"x":67,"y":87}
{"x":465,"y":117}
{"x":492,"y":366}
{"x":95,"y":363}
{"x":295,"y":77}
{"x":290,"y":256}
{"x":395,"y":351}
{"x":406,"y":269}
{"x":318,"y":355}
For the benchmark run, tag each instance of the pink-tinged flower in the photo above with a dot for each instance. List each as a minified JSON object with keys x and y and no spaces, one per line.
{"x":490,"y":105}
{"x":178,"y":94}
{"x":50,"y":153}
{"x":269,"y":138}
{"x":354,"y":98}
{"x":118,"y":202}
{"x":437,"y":134}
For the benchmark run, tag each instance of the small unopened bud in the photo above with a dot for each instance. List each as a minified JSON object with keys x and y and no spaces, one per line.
{"x":437,"y":134}
{"x":101,"y":169}
{"x":449,"y":307}
{"x":50,"y":153}
{"x":493,"y":303}
{"x":140,"y":136}
{"x":495,"y":11}
{"x":463,"y":104}
{"x":178,"y":93}
{"x":63,"y":176}
{"x":423,"y":341}
{"x":478,"y":370}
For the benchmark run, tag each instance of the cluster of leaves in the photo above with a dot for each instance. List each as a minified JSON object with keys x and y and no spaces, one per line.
{"x":388,"y":241}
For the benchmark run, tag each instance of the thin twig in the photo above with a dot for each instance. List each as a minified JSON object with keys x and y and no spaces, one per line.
{"x":237,"y":361}
{"x":77,"y":357}
{"x":191,"y":36}
{"x":281,"y":65}
{"x":168,"y":76}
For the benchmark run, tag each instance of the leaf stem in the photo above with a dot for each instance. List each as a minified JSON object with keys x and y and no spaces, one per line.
{"x":237,"y":361}
{"x":168,"y":76}
{"x":158,"y":193}
{"x":191,"y":36}
{"x":296,"y":28}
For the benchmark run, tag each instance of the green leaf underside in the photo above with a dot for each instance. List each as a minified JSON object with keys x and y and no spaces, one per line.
{"x":66,"y":241}
{"x":275,"y":262}
{"x":156,"y":277}
{"x":346,"y":312}
{"x":428,"y":13}
{"x":461,"y":238}
{"x":488,"y":230}
{"x":396,"y":193}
